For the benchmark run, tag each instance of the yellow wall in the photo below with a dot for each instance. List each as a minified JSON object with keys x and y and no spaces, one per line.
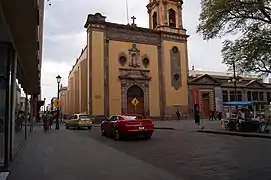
{"x":175,"y":97}
{"x":114,"y":83}
{"x":83,"y":86}
{"x":72,"y":95}
{"x":77,"y":84}
{"x":97,"y":73}
{"x":115,"y":101}
{"x":76,"y":94}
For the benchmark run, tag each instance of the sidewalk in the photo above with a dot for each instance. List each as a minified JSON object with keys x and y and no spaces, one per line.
{"x":186,"y":125}
{"x":214,"y":127}
{"x":73,"y":155}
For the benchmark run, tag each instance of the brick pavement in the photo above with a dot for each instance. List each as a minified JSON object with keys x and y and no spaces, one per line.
{"x":200,"y":156}
{"x":70,"y":155}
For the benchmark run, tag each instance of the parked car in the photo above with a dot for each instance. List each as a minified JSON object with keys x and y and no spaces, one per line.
{"x":79,"y":121}
{"x":127,"y":125}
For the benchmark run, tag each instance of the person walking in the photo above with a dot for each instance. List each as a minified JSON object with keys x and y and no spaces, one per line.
{"x":212,"y":115}
{"x":178,"y":114}
{"x":45,"y":122}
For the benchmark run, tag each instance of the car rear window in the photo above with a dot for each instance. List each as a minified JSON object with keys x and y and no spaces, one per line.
{"x":132,"y":117}
{"x":84,"y":116}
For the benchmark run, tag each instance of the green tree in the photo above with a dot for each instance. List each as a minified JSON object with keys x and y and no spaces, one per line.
{"x":250,"y":22}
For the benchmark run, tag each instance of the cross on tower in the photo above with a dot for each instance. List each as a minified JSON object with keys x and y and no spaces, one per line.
{"x":133,"y":18}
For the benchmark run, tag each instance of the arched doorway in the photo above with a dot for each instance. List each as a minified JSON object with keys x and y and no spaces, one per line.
{"x":154,"y":20}
{"x":135,"y":94}
{"x":172,"y":17}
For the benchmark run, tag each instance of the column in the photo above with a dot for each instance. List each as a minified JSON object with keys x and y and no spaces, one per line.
{"x":14,"y":132}
{"x":6,"y":51}
{"x":26,"y":110}
{"x":31,"y":112}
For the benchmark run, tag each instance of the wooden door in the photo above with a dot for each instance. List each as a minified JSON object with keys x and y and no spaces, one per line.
{"x":206,"y":105}
{"x":138,"y":109}
{"x":132,"y":93}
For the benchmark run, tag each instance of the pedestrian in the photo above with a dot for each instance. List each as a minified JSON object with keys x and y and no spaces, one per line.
{"x":212,"y":115}
{"x":178,"y":114}
{"x":50,"y":121}
{"x":45,"y":122}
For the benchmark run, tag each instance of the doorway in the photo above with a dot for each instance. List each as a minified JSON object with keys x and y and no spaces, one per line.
{"x":135,"y":100}
{"x":206,"y":105}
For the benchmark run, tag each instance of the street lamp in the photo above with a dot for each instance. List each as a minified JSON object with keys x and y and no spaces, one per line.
{"x":44,"y":106}
{"x":58,"y":79}
{"x":234,"y":80}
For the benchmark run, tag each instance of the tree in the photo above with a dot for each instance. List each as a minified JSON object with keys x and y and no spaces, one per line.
{"x":250,"y":22}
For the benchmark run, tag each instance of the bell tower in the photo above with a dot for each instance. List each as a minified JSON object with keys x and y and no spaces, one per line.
{"x":166,"y":15}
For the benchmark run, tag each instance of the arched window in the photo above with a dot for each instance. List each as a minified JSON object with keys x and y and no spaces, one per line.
{"x":172,"y":18}
{"x":154,"y":19}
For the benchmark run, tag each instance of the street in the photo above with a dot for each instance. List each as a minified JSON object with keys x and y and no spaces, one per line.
{"x":169,"y":155}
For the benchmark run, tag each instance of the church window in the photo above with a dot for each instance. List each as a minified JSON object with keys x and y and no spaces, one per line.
{"x":172,"y":18}
{"x":146,"y":61}
{"x":176,"y":77}
{"x":122,"y":59}
{"x":154,"y":20}
{"x":175,"y":49}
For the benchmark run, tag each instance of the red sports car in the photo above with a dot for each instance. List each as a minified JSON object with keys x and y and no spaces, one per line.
{"x":121,"y":126}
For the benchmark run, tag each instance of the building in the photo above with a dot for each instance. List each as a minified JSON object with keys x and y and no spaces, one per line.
{"x":21,"y":33}
{"x":63,"y":99}
{"x":215,"y":86}
{"x":129,"y":69}
{"x":23,"y":101}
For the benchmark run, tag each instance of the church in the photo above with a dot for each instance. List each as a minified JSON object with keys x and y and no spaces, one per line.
{"x":130,"y":69}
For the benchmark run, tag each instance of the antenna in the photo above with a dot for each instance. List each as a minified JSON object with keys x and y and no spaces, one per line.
{"x":127,"y":12}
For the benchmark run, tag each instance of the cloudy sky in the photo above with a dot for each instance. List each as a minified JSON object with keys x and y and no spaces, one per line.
{"x":65,"y":36}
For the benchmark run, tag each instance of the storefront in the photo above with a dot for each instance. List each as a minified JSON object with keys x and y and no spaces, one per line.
{"x":20,"y":62}
{"x":13,"y":128}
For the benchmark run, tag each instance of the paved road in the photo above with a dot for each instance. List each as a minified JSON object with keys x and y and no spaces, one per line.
{"x":169,"y":155}
{"x":196,"y":156}
{"x":74,"y":155}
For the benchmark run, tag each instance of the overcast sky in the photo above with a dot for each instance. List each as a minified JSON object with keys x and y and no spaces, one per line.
{"x":65,"y":36}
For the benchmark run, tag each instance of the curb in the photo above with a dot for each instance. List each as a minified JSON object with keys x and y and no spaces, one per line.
{"x":236,"y":134}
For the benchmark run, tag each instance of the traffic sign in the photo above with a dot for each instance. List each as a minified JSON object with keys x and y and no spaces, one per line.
{"x":57,"y":103}
{"x":135,"y":102}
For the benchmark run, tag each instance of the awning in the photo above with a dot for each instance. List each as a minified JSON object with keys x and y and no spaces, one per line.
{"x":239,"y":103}
{"x":21,"y":19}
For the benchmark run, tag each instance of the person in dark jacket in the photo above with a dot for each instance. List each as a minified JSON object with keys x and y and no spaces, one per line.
{"x":178,"y":114}
{"x":45,"y":122}
{"x":212,"y":115}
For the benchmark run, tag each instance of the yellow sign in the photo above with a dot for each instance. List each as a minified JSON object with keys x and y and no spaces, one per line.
{"x":57,"y":103}
{"x":135,"y":102}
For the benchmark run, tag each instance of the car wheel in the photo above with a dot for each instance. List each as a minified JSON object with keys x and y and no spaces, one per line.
{"x":89,"y":127}
{"x":103,"y":132}
{"x":77,"y":127}
{"x":117,"y":135}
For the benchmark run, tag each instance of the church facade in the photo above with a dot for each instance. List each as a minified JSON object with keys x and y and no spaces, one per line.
{"x":130,"y":69}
